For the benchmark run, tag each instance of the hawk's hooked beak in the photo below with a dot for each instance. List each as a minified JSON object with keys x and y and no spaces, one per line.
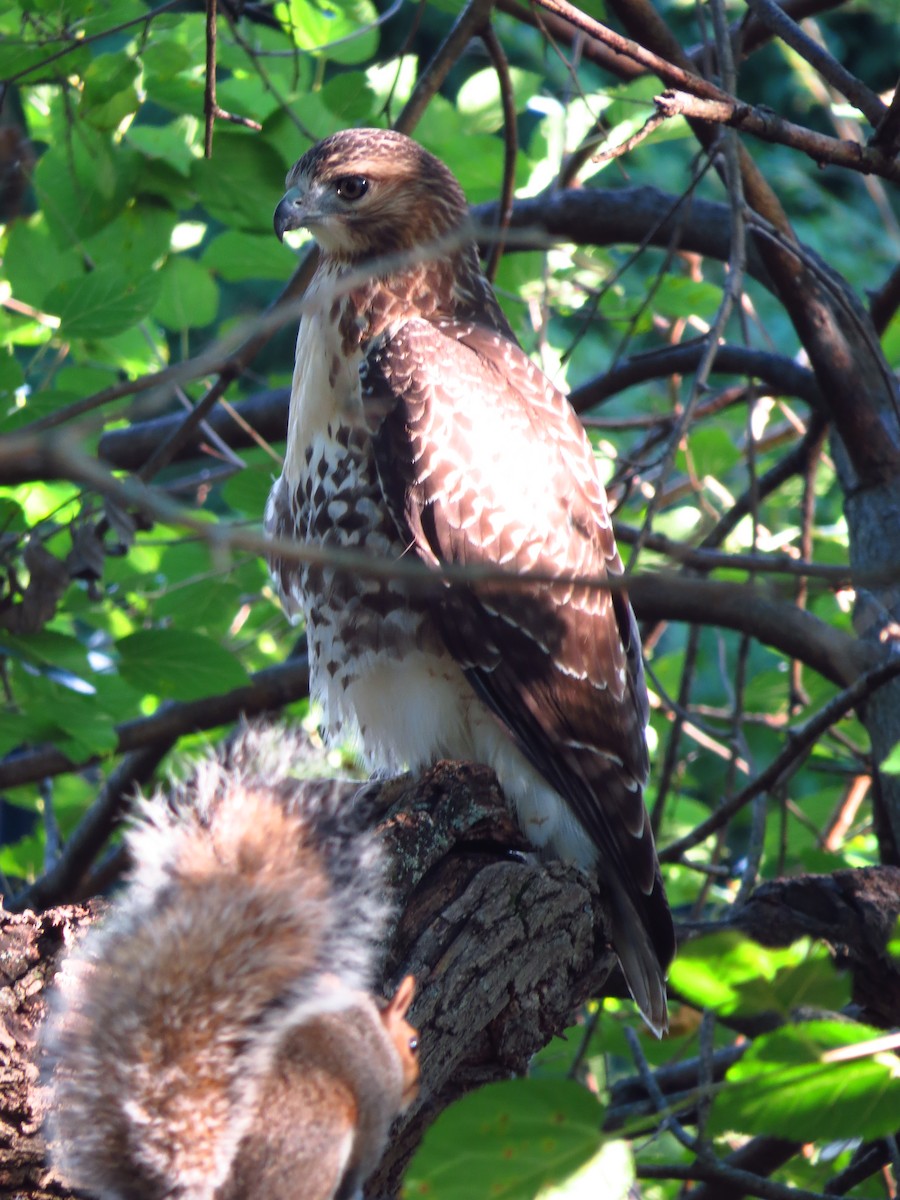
{"x":289,"y":214}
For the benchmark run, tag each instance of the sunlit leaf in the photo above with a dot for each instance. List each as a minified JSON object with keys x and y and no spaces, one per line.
{"x":729,"y":973}
{"x":515,"y":1138}
{"x":785,"y":1086}
{"x":188,"y":297}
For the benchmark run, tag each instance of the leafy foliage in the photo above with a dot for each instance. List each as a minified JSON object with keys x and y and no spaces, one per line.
{"x":135,"y":266}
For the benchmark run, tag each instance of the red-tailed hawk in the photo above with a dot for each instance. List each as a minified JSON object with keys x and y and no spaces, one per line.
{"x":418,"y":426}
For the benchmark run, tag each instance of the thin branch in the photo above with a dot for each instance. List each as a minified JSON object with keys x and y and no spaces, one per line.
{"x":674,"y":76}
{"x":510,"y":147}
{"x":866,"y":1162}
{"x":768,"y":127}
{"x":209,"y":94}
{"x":774,"y":17}
{"x":80,"y":43}
{"x":782,"y":376}
{"x":887,"y":135}
{"x":471,"y":21}
{"x":885,"y":302}
{"x":608,"y":153}
{"x":794,"y":463}
{"x":234,"y":367}
{"x":265,"y":413}
{"x":588,"y":216}
{"x":837,"y":656}
{"x":743,"y":1182}
{"x":56,"y":885}
{"x":800,"y":742}
{"x":669,"y":1121}
{"x":758,"y":1157}
{"x":834,"y":654}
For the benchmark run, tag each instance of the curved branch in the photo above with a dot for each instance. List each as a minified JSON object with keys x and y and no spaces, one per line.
{"x":836,"y":656}
{"x":626,"y":216}
{"x":510,"y":145}
{"x":471,"y":21}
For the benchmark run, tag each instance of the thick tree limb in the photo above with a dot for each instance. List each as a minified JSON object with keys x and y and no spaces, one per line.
{"x":855,"y":912}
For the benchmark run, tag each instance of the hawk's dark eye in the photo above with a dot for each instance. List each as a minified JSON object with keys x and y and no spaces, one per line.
{"x":351,"y":187}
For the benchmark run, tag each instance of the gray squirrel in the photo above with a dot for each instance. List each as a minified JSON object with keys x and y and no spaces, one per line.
{"x":214,"y":1037}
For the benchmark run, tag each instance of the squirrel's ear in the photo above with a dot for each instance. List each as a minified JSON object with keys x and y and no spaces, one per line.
{"x":398,"y":1005}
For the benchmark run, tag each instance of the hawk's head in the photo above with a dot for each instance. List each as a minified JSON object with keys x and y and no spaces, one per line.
{"x":370,"y":191}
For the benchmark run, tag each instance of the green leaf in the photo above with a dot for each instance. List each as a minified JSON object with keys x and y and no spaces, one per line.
{"x":242,"y":182}
{"x":248,"y":491}
{"x":102,"y":303}
{"x":480,"y":101}
{"x":239,"y":256}
{"x":179,"y":143}
{"x":76,"y":721}
{"x":49,"y":651}
{"x":514,"y":1138}
{"x":11,"y":379}
{"x":188,"y":297}
{"x":175,"y":665}
{"x":83,"y":185}
{"x":343,"y":31}
{"x":208,"y":606}
{"x":785,"y":1086}
{"x":729,"y":973}
{"x":891,"y":764}
{"x":34,"y":264}
{"x":109,"y":93}
{"x":350,"y":98}
{"x":19,"y":55}
{"x":136,"y":240}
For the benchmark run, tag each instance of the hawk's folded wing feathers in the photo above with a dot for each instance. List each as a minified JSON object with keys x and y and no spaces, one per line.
{"x":482,"y":461}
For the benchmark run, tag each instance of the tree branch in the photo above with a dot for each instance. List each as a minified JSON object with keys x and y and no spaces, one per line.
{"x":800,"y":741}
{"x":774,"y":17}
{"x":823,"y":150}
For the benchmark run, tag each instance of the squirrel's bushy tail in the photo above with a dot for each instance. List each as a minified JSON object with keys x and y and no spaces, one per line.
{"x":255,"y":899}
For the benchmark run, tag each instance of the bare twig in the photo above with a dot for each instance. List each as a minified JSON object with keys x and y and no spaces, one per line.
{"x":800,"y":742}
{"x":510,"y":147}
{"x":471,"y":21}
{"x":887,"y":135}
{"x":725,"y":110}
{"x":209,"y":93}
{"x":740,"y":1183}
{"x":774,"y":17}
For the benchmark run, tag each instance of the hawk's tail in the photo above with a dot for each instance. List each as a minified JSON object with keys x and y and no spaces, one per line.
{"x":645,"y":945}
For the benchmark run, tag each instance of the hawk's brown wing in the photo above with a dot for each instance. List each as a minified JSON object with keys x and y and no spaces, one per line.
{"x":483,"y":461}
